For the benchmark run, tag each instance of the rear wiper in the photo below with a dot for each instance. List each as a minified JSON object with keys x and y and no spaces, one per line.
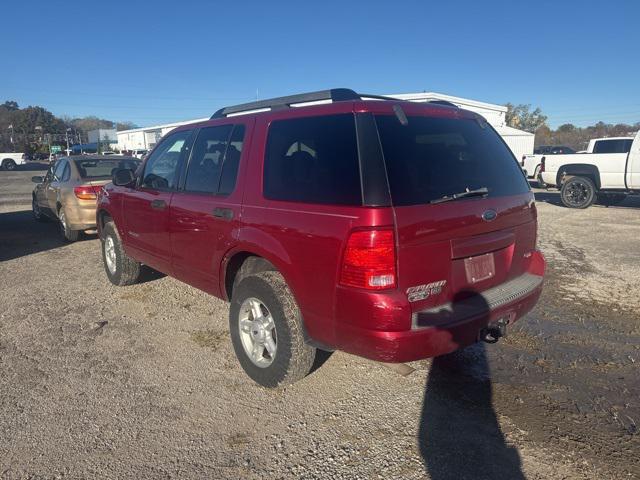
{"x":479,"y":192}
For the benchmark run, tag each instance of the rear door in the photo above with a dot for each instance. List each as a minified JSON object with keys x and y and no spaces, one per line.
{"x":205,"y":212}
{"x":146,"y":207}
{"x":456,"y":245}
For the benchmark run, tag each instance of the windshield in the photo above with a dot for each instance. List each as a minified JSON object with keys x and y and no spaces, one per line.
{"x":103,"y":169}
{"x":431,"y":158}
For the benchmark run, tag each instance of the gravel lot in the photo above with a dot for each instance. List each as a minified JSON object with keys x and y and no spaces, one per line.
{"x":104,"y":382}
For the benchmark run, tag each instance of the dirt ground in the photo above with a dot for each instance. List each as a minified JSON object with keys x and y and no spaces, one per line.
{"x":141,"y":382}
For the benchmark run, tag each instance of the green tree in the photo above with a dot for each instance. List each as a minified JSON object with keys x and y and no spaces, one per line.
{"x":521,"y":117}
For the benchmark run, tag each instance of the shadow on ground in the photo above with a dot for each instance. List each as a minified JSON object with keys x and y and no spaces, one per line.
{"x":459,"y":435}
{"x":21,"y":235}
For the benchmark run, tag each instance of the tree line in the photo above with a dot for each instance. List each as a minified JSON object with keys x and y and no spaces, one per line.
{"x":34,"y":129}
{"x":534,"y":121}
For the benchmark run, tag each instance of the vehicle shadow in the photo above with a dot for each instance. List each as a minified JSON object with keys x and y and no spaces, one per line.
{"x":553,"y":197}
{"x":459,"y":435}
{"x":21,"y":235}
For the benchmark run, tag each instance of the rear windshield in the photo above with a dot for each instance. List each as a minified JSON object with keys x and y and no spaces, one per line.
{"x":613,"y":146}
{"x":430,"y":158}
{"x":103,"y":169}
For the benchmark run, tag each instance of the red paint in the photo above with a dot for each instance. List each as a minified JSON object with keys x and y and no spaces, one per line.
{"x":307,"y":242}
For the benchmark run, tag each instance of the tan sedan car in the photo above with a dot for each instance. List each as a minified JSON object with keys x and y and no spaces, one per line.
{"x":67,"y":193}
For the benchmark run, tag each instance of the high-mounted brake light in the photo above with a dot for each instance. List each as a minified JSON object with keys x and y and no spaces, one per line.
{"x":87,"y":192}
{"x":370,"y":260}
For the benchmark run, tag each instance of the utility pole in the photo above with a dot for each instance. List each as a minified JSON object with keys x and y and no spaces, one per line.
{"x":67,"y":136}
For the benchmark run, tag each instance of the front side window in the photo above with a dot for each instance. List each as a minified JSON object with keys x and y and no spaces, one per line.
{"x":313,"y":160}
{"x":205,"y":166}
{"x":160,"y":171}
{"x":430,"y":158}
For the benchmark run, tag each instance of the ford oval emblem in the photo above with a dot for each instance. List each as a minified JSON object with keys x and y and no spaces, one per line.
{"x":489,"y":215}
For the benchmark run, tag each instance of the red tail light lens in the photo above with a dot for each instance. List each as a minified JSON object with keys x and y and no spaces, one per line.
{"x":542,"y":164}
{"x":87,"y":192}
{"x":370,"y":260}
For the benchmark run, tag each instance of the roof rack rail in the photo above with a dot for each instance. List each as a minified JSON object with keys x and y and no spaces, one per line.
{"x":335,"y":94}
{"x":443,"y":102}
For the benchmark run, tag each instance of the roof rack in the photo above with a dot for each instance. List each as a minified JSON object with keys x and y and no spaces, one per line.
{"x":335,"y":95}
{"x":446,"y":103}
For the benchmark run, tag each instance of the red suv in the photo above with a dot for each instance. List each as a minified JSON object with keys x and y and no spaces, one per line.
{"x":388,"y":229}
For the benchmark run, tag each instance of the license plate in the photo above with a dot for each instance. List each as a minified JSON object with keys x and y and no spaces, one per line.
{"x":479,"y":268}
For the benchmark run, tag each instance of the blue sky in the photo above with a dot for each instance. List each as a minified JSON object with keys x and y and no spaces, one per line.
{"x":157,"y":62}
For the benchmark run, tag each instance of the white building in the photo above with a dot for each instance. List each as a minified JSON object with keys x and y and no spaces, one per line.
{"x":519,"y":141}
{"x":147,"y":137}
{"x":106,"y":135}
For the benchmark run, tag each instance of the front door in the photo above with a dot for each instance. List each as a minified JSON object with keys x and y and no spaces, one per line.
{"x":146,"y":208}
{"x":52,"y":187}
{"x":205,"y":211}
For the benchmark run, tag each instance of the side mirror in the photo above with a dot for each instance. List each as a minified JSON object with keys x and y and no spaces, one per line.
{"x":37,"y":179}
{"x":123,"y":177}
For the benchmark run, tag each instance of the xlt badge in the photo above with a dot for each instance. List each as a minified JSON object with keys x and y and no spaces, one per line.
{"x":420,"y":292}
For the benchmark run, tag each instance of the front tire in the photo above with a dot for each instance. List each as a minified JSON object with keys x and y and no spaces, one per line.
{"x":37,"y":213}
{"x":267,"y":332}
{"x":68,"y":234}
{"x":121,"y":269}
{"x":578,"y":192}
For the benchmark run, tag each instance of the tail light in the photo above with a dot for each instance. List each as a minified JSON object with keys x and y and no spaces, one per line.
{"x":542,"y":164}
{"x":370,"y":260}
{"x":87,"y":192}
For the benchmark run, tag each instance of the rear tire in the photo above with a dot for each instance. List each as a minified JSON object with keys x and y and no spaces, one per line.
{"x":68,"y":234}
{"x":8,"y":164}
{"x":578,"y":192}
{"x":278,"y":323}
{"x":121,"y":269}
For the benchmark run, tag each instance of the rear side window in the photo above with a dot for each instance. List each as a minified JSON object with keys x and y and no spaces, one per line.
{"x":613,"y":146}
{"x":435,"y":157}
{"x":313,"y":160}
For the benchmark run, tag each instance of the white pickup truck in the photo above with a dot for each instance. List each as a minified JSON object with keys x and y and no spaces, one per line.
{"x":9,"y":161}
{"x":531,"y":163}
{"x":587,"y":177}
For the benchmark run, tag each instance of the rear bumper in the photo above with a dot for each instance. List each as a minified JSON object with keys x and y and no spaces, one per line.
{"x":81,"y":215}
{"x":446,"y":328}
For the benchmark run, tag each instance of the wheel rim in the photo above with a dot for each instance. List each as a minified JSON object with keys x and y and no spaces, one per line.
{"x":257,"y":332}
{"x":63,"y":223}
{"x":110,"y":254}
{"x":576,"y":193}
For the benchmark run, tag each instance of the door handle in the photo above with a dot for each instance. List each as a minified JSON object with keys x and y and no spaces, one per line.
{"x":224,"y":213}
{"x":158,"y":204}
